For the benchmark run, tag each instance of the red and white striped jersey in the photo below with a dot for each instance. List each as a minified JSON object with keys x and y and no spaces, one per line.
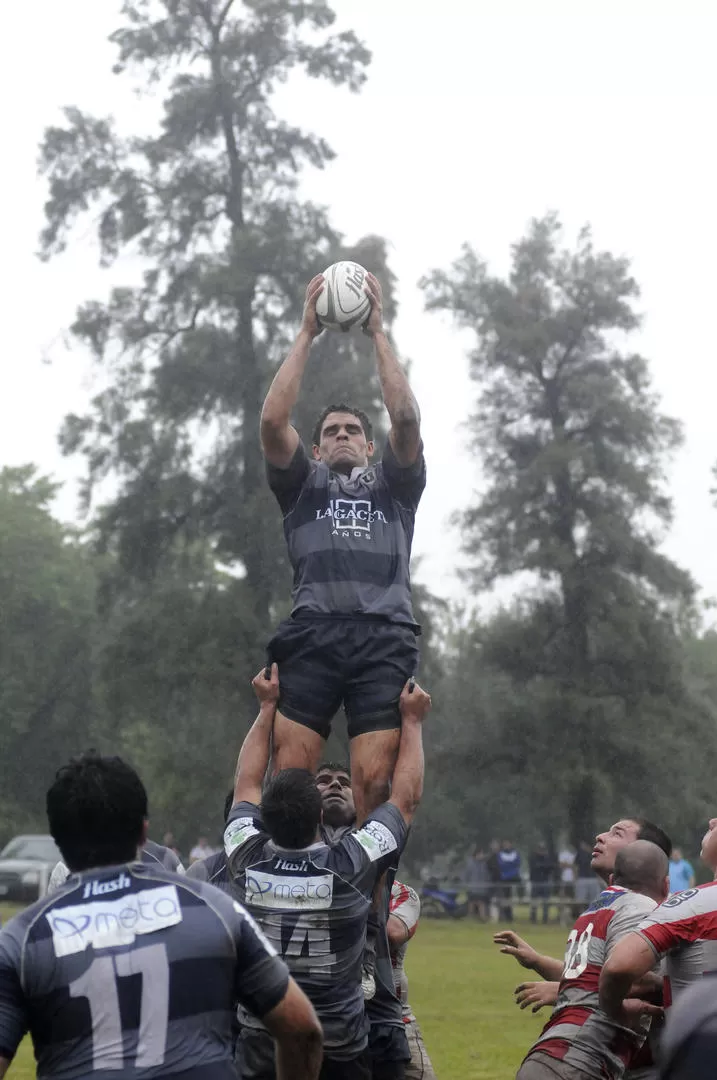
{"x":683,"y":929}
{"x":406,"y":906}
{"x":578,"y":1033}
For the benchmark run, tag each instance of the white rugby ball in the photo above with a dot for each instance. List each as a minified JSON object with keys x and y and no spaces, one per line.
{"x":342,"y":302}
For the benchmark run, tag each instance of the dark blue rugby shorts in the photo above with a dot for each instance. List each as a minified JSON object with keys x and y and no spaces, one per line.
{"x":361,"y":664}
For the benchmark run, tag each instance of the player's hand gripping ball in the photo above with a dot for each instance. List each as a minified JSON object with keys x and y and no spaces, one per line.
{"x":343,"y":303}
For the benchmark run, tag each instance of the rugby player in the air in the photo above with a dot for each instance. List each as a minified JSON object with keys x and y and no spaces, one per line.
{"x":351,"y":638}
{"x":130,"y":970}
{"x":579,"y":1042}
{"x":312,"y":900}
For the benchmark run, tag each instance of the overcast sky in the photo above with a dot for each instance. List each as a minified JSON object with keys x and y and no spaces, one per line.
{"x":477,"y":115}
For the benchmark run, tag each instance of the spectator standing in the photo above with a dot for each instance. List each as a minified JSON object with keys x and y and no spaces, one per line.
{"x":478,"y":883}
{"x":201,"y":850}
{"x":509,"y":865}
{"x":587,"y":885}
{"x":566,"y":859}
{"x":682,"y":876}
{"x":542,"y":874}
{"x":494,"y":889}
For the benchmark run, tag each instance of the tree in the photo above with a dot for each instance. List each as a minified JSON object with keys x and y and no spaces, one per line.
{"x":210,"y":203}
{"x":572,"y":445}
{"x":47,"y":626}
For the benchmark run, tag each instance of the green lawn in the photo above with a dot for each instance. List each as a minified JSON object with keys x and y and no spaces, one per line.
{"x":462,"y":993}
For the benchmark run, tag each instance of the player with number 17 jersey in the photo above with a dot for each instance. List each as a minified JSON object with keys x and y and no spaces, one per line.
{"x":313,"y":905}
{"x":132,"y":971}
{"x":578,"y":1034}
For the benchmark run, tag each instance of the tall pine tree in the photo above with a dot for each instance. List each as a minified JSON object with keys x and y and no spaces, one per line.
{"x":572,"y":445}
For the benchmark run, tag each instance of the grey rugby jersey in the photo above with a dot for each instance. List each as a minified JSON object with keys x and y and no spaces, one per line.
{"x":313,"y":907}
{"x":349,"y":538}
{"x":132,"y":971}
{"x":151,"y":853}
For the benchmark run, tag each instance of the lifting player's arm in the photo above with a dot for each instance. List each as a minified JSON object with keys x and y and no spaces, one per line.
{"x":279,"y":439}
{"x":298,"y":1035}
{"x":401,"y":405}
{"x":528,"y":957}
{"x":407,"y":783}
{"x":537,"y":994}
{"x":256,"y":749}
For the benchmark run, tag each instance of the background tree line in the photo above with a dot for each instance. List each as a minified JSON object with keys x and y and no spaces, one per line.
{"x":590,"y":693}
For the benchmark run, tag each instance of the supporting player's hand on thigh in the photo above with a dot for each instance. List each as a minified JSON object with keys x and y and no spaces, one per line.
{"x":266,"y":685}
{"x":512,"y":945}
{"x":537,"y":994}
{"x":414,"y":702}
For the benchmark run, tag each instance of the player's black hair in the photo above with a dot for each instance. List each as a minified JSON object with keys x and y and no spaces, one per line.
{"x":228,"y":803}
{"x":333,"y":766}
{"x":653,"y":833}
{"x":291,"y":808}
{"x":344,"y":408}
{"x":96,"y":809}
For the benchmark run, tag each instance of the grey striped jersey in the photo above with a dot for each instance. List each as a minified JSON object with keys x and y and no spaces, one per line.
{"x":150,"y":853}
{"x":313,"y":907}
{"x":349,"y":538}
{"x":578,"y":1032}
{"x":132,"y":971}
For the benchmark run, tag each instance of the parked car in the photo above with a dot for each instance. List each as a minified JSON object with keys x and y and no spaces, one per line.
{"x":25,"y":867}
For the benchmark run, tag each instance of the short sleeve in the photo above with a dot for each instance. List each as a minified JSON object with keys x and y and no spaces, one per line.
{"x":13,"y":1014}
{"x":405,"y":483}
{"x":627,"y":918}
{"x":381,"y":838}
{"x":244,"y":836}
{"x":678,"y":919}
{"x":406,"y":906}
{"x":287,"y":483}
{"x":261,"y":977}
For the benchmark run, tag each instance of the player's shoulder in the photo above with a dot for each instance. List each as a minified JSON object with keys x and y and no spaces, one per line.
{"x":154,"y":853}
{"x":699,"y":900}
{"x":382,"y":833}
{"x":403,"y":894}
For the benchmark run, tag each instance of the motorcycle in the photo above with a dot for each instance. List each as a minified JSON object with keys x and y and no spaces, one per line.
{"x":441,"y":903}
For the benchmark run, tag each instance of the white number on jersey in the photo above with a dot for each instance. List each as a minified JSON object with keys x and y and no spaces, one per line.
{"x":99,"y":985}
{"x":576,"y":956}
{"x":309,"y":947}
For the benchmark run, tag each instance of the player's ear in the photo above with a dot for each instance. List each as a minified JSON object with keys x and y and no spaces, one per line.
{"x":370,"y":447}
{"x":611,"y":879}
{"x":145,"y":832}
{"x":316,"y":452}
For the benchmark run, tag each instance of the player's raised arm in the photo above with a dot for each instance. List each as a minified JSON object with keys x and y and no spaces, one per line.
{"x":254,"y":755}
{"x":407,"y":784}
{"x":298,"y":1036}
{"x":528,"y":957}
{"x":401,"y":405}
{"x":279,"y":439}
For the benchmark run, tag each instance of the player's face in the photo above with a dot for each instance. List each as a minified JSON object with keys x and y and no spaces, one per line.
{"x":337,"y":798}
{"x":607,"y":845}
{"x":708,"y":854}
{"x":343,"y":444}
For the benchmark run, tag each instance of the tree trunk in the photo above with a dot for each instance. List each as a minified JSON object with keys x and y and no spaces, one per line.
{"x":581,"y":809}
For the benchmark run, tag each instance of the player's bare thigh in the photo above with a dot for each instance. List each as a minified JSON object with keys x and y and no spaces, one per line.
{"x":295,"y":746}
{"x":373,"y":757}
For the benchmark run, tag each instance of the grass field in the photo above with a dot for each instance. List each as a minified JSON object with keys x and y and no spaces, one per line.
{"x":461,"y":990}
